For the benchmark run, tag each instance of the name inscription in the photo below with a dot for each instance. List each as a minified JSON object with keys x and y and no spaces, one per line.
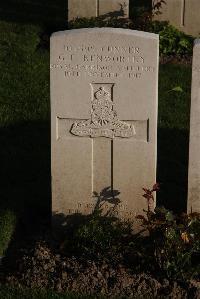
{"x":102,"y":62}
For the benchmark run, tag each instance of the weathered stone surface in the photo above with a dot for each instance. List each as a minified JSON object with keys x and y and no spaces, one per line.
{"x":95,"y":8}
{"x":81,"y":9}
{"x":104,"y":85}
{"x":171,"y":11}
{"x":184,"y":14}
{"x":191,"y":19}
{"x":115,"y":8}
{"x":194,"y":151}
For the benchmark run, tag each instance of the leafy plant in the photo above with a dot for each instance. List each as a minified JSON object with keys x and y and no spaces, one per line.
{"x":172,"y":41}
{"x":177,"y":89}
{"x":100,"y":234}
{"x":175,"y":240}
{"x":166,"y":244}
{"x":99,"y":237}
{"x":100,"y":21}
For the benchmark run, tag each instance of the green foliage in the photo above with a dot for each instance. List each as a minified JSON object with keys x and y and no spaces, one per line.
{"x":174,"y":105}
{"x":97,"y":237}
{"x":7,"y":228}
{"x":167,"y":245}
{"x":177,"y":89}
{"x":172,"y":41}
{"x":175,"y":241}
{"x":18,"y":40}
{"x":99,"y":22}
{"x":142,"y":11}
{"x":24,"y":74}
{"x":24,"y":96}
{"x":138,"y":8}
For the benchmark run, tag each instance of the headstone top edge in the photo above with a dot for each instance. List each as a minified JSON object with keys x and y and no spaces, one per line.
{"x":137,"y":33}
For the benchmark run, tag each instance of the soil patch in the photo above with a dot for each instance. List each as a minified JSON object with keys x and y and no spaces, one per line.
{"x":42,"y":267}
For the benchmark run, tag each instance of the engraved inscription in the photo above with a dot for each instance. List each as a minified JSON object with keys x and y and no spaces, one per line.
{"x":108,"y":61}
{"x":121,"y":209}
{"x":103,"y":121}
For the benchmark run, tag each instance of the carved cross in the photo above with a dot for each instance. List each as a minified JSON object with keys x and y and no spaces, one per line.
{"x":103,"y":128}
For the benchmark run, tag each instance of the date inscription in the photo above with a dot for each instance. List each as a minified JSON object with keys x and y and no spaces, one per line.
{"x":111,"y":61}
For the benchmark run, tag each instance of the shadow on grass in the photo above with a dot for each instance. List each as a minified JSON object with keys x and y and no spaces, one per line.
{"x":48,"y":13}
{"x":25,"y":172}
{"x":173,"y":146}
{"x":26,"y":180}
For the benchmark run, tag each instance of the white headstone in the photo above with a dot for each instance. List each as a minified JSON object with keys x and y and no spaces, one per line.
{"x":104,"y":93}
{"x":183,"y":14}
{"x":96,"y":8}
{"x":194,"y":150}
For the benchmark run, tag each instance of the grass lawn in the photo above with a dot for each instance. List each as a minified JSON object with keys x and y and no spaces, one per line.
{"x":173,"y":135}
{"x":25,"y":125}
{"x":25,"y":191}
